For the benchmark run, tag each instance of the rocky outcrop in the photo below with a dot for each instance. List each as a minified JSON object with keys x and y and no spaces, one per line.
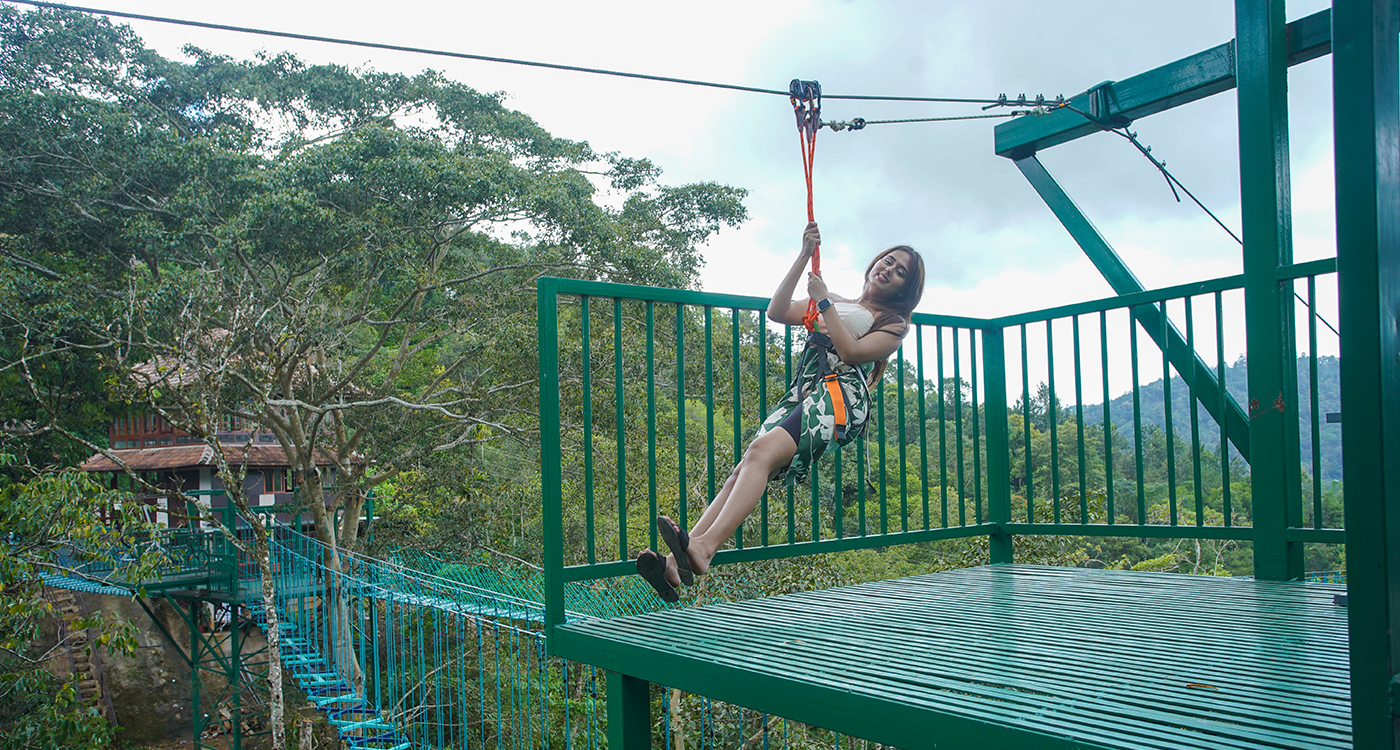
{"x":147,"y":693}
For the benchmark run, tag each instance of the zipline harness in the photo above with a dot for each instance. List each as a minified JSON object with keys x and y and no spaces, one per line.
{"x":806,"y":99}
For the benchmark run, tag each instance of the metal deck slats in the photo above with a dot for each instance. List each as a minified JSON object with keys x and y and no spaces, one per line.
{"x":1075,"y":657}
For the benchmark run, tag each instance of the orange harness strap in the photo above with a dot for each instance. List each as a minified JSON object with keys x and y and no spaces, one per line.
{"x":806,"y":97}
{"x":838,"y":404}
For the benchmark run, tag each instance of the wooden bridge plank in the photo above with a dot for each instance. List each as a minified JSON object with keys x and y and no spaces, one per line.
{"x":1077,"y":658}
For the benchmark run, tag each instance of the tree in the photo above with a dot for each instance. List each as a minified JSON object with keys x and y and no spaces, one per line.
{"x":55,"y":523}
{"x":343,"y":258}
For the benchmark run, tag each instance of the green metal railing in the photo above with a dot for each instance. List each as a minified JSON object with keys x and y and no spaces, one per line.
{"x":648,"y":397}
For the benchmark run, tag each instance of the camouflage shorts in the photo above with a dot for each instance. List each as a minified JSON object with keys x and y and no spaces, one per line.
{"x":817,"y":429}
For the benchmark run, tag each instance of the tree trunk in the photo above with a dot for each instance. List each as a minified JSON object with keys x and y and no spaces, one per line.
{"x":276,"y":702}
{"x":335,"y":595}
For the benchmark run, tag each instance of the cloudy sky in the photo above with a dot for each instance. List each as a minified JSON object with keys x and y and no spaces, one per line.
{"x":992,"y":245}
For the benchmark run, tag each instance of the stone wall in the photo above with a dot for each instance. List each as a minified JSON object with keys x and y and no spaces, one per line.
{"x":148,"y":693}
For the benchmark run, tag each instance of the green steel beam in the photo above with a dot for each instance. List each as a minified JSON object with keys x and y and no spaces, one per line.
{"x":1366,"y":120}
{"x":551,"y":470}
{"x":787,"y":694}
{"x":1275,"y":478}
{"x":998,"y":444}
{"x":1172,"y":85}
{"x":1121,"y":278}
{"x":629,"y":712}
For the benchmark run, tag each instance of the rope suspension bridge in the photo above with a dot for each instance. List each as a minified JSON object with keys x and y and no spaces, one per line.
{"x":412,"y":651}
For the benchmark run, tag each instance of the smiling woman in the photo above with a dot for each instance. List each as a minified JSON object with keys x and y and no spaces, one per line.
{"x":828,"y":402}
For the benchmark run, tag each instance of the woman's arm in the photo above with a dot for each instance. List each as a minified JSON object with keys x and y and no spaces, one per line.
{"x":783,"y":308}
{"x":871,"y":347}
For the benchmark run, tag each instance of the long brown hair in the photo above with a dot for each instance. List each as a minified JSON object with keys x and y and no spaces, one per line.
{"x":895,"y":313}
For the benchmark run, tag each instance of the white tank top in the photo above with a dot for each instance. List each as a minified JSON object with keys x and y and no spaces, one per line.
{"x":856,"y":316}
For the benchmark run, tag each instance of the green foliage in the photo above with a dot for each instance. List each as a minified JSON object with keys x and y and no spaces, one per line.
{"x":344,"y":258}
{"x":53,"y":524}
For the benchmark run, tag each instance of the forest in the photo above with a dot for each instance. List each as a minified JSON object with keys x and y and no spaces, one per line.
{"x":347,"y":258}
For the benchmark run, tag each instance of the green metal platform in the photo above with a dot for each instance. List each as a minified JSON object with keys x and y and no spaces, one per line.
{"x":1014,"y":656}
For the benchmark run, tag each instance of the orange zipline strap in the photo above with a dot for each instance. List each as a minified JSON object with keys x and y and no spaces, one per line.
{"x":806,"y":99}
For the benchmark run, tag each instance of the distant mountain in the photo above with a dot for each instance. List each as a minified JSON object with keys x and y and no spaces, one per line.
{"x":1150,"y":395}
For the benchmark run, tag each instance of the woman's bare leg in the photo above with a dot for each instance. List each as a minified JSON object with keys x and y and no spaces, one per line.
{"x":736,"y":500}
{"x":716,"y":505}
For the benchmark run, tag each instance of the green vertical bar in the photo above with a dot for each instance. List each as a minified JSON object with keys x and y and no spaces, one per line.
{"x":957,"y":429}
{"x":1137,"y":423}
{"x":710,"y":402}
{"x":619,"y":426}
{"x":736,"y":389}
{"x":978,"y":413}
{"x":942,"y":430}
{"x":1107,"y":416}
{"x":860,"y":487}
{"x":1224,"y":425}
{"x":923,"y":421}
{"x":1366,"y":122}
{"x":1190,"y":377}
{"x":838,"y":512}
{"x":791,"y":499}
{"x":551,"y":473}
{"x":629,"y":713}
{"x":681,"y":490}
{"x":651,"y":422}
{"x":1052,"y":418}
{"x":814,"y":499}
{"x":1316,"y":420}
{"x":1079,"y":423}
{"x":1262,"y":79}
{"x":1170,"y":436}
{"x":884,"y":475}
{"x":998,"y":444}
{"x":1026,"y":422}
{"x":761,"y":337}
{"x":903,"y":461}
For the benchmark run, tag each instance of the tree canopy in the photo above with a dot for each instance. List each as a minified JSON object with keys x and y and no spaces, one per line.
{"x":344,"y":257}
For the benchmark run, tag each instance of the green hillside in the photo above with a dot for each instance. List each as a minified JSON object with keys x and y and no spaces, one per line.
{"x":1150,"y":395}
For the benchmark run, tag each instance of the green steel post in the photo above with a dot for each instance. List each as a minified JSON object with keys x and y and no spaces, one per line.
{"x":619,"y":420}
{"x":1121,"y":278}
{"x":1366,"y":117}
{"x":1026,"y":424}
{"x":923,"y":421}
{"x":1107,"y":415}
{"x":551,"y":472}
{"x":1260,"y":45}
{"x":197,"y":720}
{"x":998,"y":443}
{"x":903,"y":457}
{"x":1224,"y":437}
{"x":235,"y":673}
{"x":736,"y":397}
{"x":629,"y":713}
{"x":1079,"y":423}
{"x":651,"y":424}
{"x":587,"y":397}
{"x":682,"y":496}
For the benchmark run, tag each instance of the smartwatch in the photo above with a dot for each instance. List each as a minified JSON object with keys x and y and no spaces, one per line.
{"x":823,"y":304}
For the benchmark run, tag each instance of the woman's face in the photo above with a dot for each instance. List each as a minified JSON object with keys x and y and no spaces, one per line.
{"x":890,"y":274}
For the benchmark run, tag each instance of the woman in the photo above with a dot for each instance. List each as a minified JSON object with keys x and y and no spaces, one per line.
{"x":828,"y":402}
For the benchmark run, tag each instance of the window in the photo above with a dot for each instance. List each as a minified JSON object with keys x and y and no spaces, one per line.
{"x":275,"y":480}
